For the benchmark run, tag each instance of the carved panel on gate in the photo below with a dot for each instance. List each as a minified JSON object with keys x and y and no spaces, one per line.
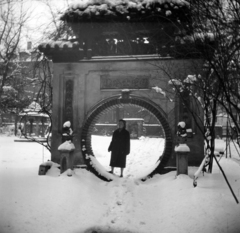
{"x":124,"y":82}
{"x":68,"y":107}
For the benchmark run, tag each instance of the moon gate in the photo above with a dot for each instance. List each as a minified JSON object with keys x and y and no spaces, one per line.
{"x":112,"y":102}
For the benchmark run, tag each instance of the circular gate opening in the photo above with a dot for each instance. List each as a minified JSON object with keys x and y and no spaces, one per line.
{"x":147,"y":139}
{"x":151,"y":140}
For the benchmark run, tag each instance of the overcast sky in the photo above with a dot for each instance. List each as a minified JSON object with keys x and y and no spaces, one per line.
{"x":40,"y":19}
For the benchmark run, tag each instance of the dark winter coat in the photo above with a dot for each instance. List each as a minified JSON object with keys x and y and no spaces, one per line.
{"x":120,"y":148}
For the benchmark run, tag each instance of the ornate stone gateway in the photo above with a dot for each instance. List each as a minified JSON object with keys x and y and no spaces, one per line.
{"x":116,"y":59}
{"x":81,"y":95}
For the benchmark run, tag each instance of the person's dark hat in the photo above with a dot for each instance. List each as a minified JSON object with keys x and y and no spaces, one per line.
{"x":124,"y":122}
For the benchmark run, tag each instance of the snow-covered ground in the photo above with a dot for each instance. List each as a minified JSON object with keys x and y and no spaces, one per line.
{"x":83,"y":203}
{"x":141,"y":160}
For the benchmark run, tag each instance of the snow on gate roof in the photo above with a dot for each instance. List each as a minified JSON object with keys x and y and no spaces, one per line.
{"x":122,"y":10}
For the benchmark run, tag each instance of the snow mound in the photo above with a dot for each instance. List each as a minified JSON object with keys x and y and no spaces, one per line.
{"x":68,"y":146}
{"x":182,"y":148}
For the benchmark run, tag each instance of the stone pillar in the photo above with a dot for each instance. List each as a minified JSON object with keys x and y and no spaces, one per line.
{"x":182,"y":153}
{"x":31,"y":127}
{"x":28,"y":128}
{"x":42,"y":127}
{"x":25,"y":126}
{"x":66,"y":157}
{"x":140,"y":128}
{"x":37,"y":127}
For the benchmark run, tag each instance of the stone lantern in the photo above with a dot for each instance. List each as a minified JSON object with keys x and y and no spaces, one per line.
{"x":182,"y":150}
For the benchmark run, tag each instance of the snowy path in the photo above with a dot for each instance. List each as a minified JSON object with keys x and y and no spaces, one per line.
{"x":121,"y":209}
{"x":121,"y":198}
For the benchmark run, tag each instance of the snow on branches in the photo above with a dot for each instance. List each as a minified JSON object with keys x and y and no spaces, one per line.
{"x":175,"y":82}
{"x":159,"y":90}
{"x":189,"y":84}
{"x":9,"y":89}
{"x":162,"y":92}
{"x":190,"y":79}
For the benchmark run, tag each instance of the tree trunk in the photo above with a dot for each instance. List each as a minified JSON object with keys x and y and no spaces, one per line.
{"x":214,"y":113}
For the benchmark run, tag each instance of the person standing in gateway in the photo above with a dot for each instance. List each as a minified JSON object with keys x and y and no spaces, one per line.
{"x":120,"y":147}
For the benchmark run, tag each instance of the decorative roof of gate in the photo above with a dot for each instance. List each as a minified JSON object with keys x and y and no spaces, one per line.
{"x":62,"y":51}
{"x":92,"y":21}
{"x":59,"y":45}
{"x":125,"y":10}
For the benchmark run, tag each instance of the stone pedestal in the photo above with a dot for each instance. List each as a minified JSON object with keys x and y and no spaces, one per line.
{"x":43,"y":168}
{"x":182,"y":153}
{"x":66,"y":160}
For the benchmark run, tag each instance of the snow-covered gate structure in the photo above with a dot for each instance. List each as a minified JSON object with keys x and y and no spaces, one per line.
{"x":115,"y":61}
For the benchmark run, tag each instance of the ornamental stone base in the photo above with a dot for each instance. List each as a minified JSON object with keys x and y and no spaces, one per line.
{"x":182,"y":153}
{"x":66,"y":156}
{"x":182,"y":163}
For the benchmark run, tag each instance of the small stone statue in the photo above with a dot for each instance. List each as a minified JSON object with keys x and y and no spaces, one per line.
{"x":67,"y":131}
{"x":182,"y":132}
